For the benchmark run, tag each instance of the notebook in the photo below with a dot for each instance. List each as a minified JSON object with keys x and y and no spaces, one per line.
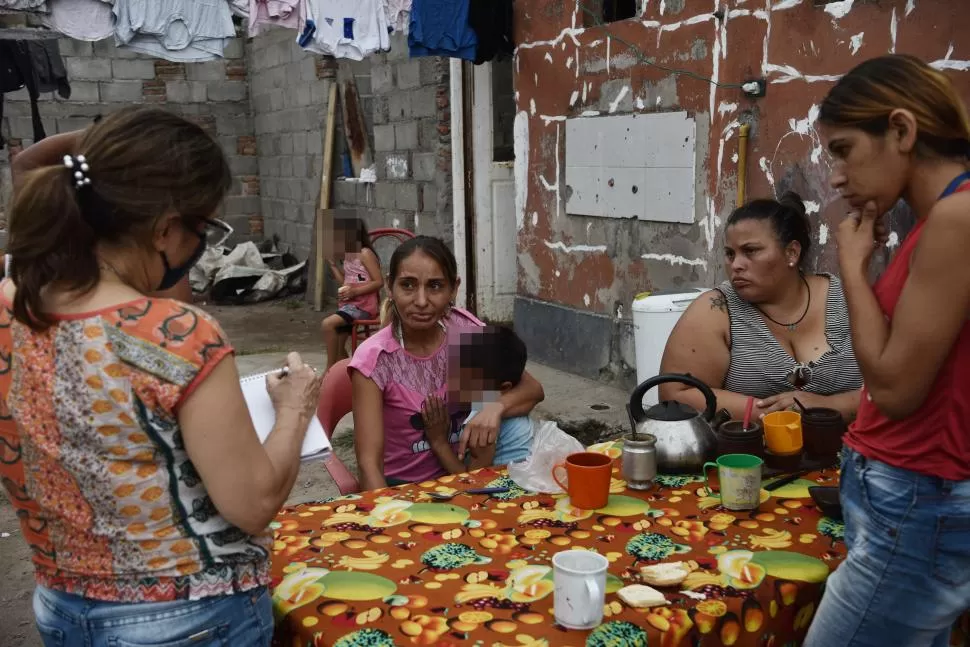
{"x":316,"y":445}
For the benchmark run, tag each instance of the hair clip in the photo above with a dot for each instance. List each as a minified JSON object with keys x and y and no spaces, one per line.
{"x":80,"y":168}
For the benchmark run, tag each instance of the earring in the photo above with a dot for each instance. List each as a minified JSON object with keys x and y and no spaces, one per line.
{"x":791,"y":265}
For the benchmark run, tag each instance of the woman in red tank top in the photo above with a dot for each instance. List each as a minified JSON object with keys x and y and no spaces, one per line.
{"x":897,"y":130}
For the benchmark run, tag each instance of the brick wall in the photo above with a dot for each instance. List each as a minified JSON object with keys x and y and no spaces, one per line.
{"x":104,"y":78}
{"x":406,"y":111}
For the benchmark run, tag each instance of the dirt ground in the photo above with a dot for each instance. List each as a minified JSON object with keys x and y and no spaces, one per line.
{"x":271,"y":327}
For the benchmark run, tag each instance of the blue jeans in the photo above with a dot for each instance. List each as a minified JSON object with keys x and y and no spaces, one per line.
{"x":241,"y":620}
{"x":906,"y":579}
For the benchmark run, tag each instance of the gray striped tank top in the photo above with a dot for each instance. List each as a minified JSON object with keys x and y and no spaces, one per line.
{"x":760,"y":365}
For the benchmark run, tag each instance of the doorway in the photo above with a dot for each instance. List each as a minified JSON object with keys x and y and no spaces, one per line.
{"x":493,"y":187}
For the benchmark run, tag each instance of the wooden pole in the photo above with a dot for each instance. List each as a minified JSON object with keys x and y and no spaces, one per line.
{"x":323,"y":210}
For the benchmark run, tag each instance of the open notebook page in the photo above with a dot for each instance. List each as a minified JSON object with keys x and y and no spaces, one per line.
{"x":315,"y":443}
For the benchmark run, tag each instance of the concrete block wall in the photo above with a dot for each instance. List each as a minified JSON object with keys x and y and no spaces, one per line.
{"x":104,"y":78}
{"x":406,"y":112}
{"x":289,"y":89}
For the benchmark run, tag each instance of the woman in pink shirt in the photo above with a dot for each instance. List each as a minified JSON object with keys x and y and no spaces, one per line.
{"x":400,"y":376}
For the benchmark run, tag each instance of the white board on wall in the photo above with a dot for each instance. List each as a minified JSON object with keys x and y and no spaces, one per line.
{"x":628,"y":166}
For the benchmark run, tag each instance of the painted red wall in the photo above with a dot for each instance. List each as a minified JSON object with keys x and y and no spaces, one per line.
{"x":566,"y":70}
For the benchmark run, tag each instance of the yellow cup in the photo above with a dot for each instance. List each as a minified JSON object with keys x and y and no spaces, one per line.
{"x":783,"y":432}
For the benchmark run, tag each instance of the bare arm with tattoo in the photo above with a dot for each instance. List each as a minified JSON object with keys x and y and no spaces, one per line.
{"x":700,"y":344}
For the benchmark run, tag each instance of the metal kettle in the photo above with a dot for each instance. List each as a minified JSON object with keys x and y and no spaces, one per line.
{"x":685,"y":438}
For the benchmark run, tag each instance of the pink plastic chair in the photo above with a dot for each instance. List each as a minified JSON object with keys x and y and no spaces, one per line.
{"x":336,"y":401}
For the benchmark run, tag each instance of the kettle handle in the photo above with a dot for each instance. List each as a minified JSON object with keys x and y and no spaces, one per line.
{"x":636,"y":399}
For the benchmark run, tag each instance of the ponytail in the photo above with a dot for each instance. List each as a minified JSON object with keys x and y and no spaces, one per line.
{"x":388,"y":314}
{"x":50,"y":242}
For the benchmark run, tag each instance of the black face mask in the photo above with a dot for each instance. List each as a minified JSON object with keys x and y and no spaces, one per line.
{"x":175,"y":274}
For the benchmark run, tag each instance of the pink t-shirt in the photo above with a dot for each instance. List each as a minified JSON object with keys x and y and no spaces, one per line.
{"x":355,"y":273}
{"x":407,"y":380}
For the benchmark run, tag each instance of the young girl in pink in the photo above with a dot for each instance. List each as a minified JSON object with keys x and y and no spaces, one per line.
{"x":360,"y":280}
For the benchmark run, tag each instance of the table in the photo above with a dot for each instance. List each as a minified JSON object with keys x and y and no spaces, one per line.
{"x":390,"y":567}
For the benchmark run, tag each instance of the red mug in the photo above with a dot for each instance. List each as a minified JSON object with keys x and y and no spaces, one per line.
{"x":587,"y":479}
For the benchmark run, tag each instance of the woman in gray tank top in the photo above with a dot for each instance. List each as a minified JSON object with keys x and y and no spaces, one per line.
{"x":770,"y":331}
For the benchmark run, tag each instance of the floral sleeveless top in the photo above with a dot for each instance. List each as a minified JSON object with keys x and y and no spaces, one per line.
{"x":92,"y":457}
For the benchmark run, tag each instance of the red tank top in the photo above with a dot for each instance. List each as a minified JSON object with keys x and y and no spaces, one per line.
{"x":935,"y":439}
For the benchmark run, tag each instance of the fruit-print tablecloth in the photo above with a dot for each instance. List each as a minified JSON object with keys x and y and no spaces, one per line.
{"x":391,"y":567}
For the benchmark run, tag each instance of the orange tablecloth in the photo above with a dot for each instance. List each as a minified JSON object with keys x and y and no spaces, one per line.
{"x":392,"y":568}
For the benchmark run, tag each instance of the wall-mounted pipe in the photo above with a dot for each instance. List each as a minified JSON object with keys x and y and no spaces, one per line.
{"x":743,"y":163}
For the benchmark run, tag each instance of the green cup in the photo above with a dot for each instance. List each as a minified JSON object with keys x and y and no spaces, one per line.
{"x":740,"y":479}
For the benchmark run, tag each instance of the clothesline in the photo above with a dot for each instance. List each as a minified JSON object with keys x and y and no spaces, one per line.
{"x":198,"y":30}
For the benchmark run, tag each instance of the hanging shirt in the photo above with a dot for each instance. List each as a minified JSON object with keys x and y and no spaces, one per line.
{"x":175,"y":30}
{"x":398,"y":13}
{"x":265,"y":14}
{"x":440,"y":28}
{"x":492,"y":22}
{"x":87,"y":20}
{"x":934,"y":439}
{"x":351,"y":29}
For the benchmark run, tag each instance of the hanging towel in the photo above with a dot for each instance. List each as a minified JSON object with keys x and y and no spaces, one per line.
{"x":440,"y":28}
{"x":87,"y":20}
{"x":182,"y":31}
{"x":351,"y":29}
{"x":492,"y":22}
{"x":264,"y":14}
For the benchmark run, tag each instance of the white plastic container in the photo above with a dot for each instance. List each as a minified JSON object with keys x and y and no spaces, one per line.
{"x":654,"y":318}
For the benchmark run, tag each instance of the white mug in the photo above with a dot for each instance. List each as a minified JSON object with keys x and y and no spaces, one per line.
{"x":580,"y":588}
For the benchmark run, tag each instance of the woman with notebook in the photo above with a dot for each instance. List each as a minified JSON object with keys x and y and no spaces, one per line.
{"x":125,"y":441}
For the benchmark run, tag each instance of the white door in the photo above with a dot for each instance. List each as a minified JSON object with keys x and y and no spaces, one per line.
{"x":493,"y":114}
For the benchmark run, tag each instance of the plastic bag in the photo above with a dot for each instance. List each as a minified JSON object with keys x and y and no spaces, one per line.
{"x":550,"y":446}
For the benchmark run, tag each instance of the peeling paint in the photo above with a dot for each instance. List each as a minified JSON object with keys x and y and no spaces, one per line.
{"x":548,"y":57}
{"x":673,"y":259}
{"x":535,"y":218}
{"x":839,"y":9}
{"x":811,"y":207}
{"x":569,"y":63}
{"x":893,"y":241}
{"x":726,"y":108}
{"x":520,"y":141}
{"x":763,"y":163}
{"x":573,"y":98}
{"x":786,"y":4}
{"x":790,"y":74}
{"x":893,"y":26}
{"x":532,"y":107}
{"x":910,"y":5}
{"x":856,"y":42}
{"x":548,"y":119}
{"x":586,"y":300}
{"x":554,"y":186}
{"x":569,"y":249}
{"x":823,"y":234}
{"x":590,"y":113}
{"x":619,"y":97}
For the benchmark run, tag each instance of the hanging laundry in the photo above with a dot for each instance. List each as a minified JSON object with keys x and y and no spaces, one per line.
{"x":239,"y":8}
{"x":351,"y":29}
{"x":264,"y":14}
{"x":440,"y":28}
{"x":39,"y":6}
{"x":175,"y":30}
{"x":492,"y":22}
{"x":88,"y":20}
{"x":36,"y":65}
{"x":398,"y":14}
